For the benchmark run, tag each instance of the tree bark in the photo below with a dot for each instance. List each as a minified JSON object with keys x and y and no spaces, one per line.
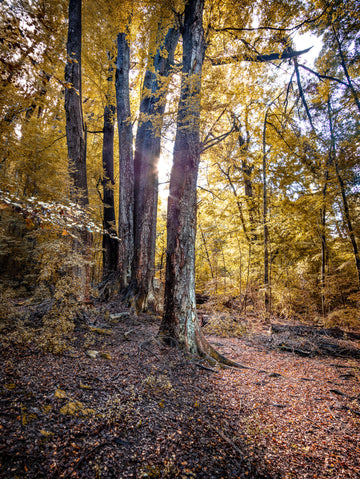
{"x":238,"y":202}
{"x":76,"y":142}
{"x":247,"y":170}
{"x":180,"y":323}
{"x":126,"y":164}
{"x":110,"y":243}
{"x":323,"y":236}
{"x":147,"y":152}
{"x":75,"y":133}
{"x":109,"y":240}
{"x":267,"y":298}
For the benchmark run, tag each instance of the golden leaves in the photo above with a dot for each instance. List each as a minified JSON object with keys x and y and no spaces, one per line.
{"x":60,"y":394}
{"x":71,"y":408}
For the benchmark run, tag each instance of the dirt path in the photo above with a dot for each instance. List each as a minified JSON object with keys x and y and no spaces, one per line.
{"x":137,"y":409}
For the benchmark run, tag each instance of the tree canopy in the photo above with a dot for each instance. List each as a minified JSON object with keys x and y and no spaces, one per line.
{"x":264,"y":189}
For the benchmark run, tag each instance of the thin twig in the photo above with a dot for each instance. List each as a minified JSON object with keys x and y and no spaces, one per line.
{"x":278,"y":29}
{"x":226,"y":438}
{"x":128,"y":332}
{"x":85,"y":456}
{"x":142,"y":346}
{"x":302,"y":95}
{"x":206,"y":368}
{"x":323,"y":77}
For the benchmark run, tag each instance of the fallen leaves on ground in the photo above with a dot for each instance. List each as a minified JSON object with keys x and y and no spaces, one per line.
{"x":151,"y":411}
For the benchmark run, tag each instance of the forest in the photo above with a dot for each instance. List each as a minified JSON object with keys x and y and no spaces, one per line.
{"x":179,"y":238}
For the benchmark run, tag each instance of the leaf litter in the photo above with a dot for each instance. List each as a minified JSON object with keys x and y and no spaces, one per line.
{"x":146,"y":410}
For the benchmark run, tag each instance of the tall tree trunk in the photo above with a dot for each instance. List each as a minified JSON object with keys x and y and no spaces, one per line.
{"x":265,"y":220}
{"x":110,"y":243}
{"x":323,"y":234}
{"x":238,"y":201}
{"x":76,"y":140}
{"x":126,"y":164}
{"x":180,"y":323}
{"x":348,"y":221}
{"x":147,"y":152}
{"x":247,"y":170}
{"x":75,"y":133}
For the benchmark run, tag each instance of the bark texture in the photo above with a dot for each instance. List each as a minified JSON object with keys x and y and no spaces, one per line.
{"x":265,"y":219}
{"x":180,"y":324}
{"x":126,"y":164}
{"x":147,"y":152}
{"x":110,"y":243}
{"x":76,"y":143}
{"x":75,"y":133}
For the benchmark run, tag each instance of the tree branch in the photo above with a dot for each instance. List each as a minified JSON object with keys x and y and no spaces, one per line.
{"x":51,"y":144}
{"x":302,"y":95}
{"x":343,"y":64}
{"x":259,"y":58}
{"x":323,"y":77}
{"x":276,"y":29}
{"x":212,"y":127}
{"x":208,"y":191}
{"x":288,"y":91}
{"x":210,"y":143}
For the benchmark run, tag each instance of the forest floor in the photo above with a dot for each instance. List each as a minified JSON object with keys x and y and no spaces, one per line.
{"x":118,"y":404}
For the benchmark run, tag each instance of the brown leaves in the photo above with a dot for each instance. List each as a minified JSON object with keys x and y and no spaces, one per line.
{"x":294,"y":412}
{"x":154,"y":412}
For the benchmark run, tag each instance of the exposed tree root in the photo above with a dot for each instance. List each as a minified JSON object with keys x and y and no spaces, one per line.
{"x":215,"y":356}
{"x":197,"y":345}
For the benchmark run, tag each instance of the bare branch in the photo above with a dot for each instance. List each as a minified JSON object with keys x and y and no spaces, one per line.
{"x":276,"y":29}
{"x":288,"y":91}
{"x":343,"y":64}
{"x":210,"y":143}
{"x":213,"y":125}
{"x":259,"y":58}
{"x":208,"y":191}
{"x":51,"y":144}
{"x":322,"y":77}
{"x":301,"y":91}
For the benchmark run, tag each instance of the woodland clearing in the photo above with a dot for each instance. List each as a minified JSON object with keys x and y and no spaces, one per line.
{"x":138,"y":409}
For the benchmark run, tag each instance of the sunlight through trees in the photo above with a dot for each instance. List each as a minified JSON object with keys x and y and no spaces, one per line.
{"x":263,"y":199}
